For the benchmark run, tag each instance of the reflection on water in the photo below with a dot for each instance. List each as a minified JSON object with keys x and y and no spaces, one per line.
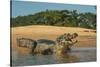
{"x":76,"y":55}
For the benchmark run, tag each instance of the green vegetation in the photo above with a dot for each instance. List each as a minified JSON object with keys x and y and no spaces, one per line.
{"x":57,"y":18}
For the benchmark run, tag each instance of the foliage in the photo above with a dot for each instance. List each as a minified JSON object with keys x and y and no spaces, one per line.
{"x":57,"y":18}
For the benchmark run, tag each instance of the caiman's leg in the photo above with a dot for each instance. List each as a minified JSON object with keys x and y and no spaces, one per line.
{"x":34,"y":47}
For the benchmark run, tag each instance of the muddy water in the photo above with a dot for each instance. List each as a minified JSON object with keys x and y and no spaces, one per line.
{"x":76,"y":55}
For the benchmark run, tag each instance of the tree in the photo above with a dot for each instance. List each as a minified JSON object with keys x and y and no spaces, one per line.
{"x":57,"y":18}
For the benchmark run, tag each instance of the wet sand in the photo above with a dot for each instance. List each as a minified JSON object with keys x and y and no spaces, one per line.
{"x":86,"y":38}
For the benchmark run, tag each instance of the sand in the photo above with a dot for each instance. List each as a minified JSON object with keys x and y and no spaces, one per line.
{"x":86,"y":38}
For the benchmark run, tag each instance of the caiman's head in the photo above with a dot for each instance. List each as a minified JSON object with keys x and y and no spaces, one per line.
{"x":67,"y":37}
{"x":66,"y":41}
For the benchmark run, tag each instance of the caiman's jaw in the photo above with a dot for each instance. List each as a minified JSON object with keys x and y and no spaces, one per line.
{"x":72,"y":42}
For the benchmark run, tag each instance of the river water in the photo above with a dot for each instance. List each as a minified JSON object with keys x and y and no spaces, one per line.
{"x":76,"y":55}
